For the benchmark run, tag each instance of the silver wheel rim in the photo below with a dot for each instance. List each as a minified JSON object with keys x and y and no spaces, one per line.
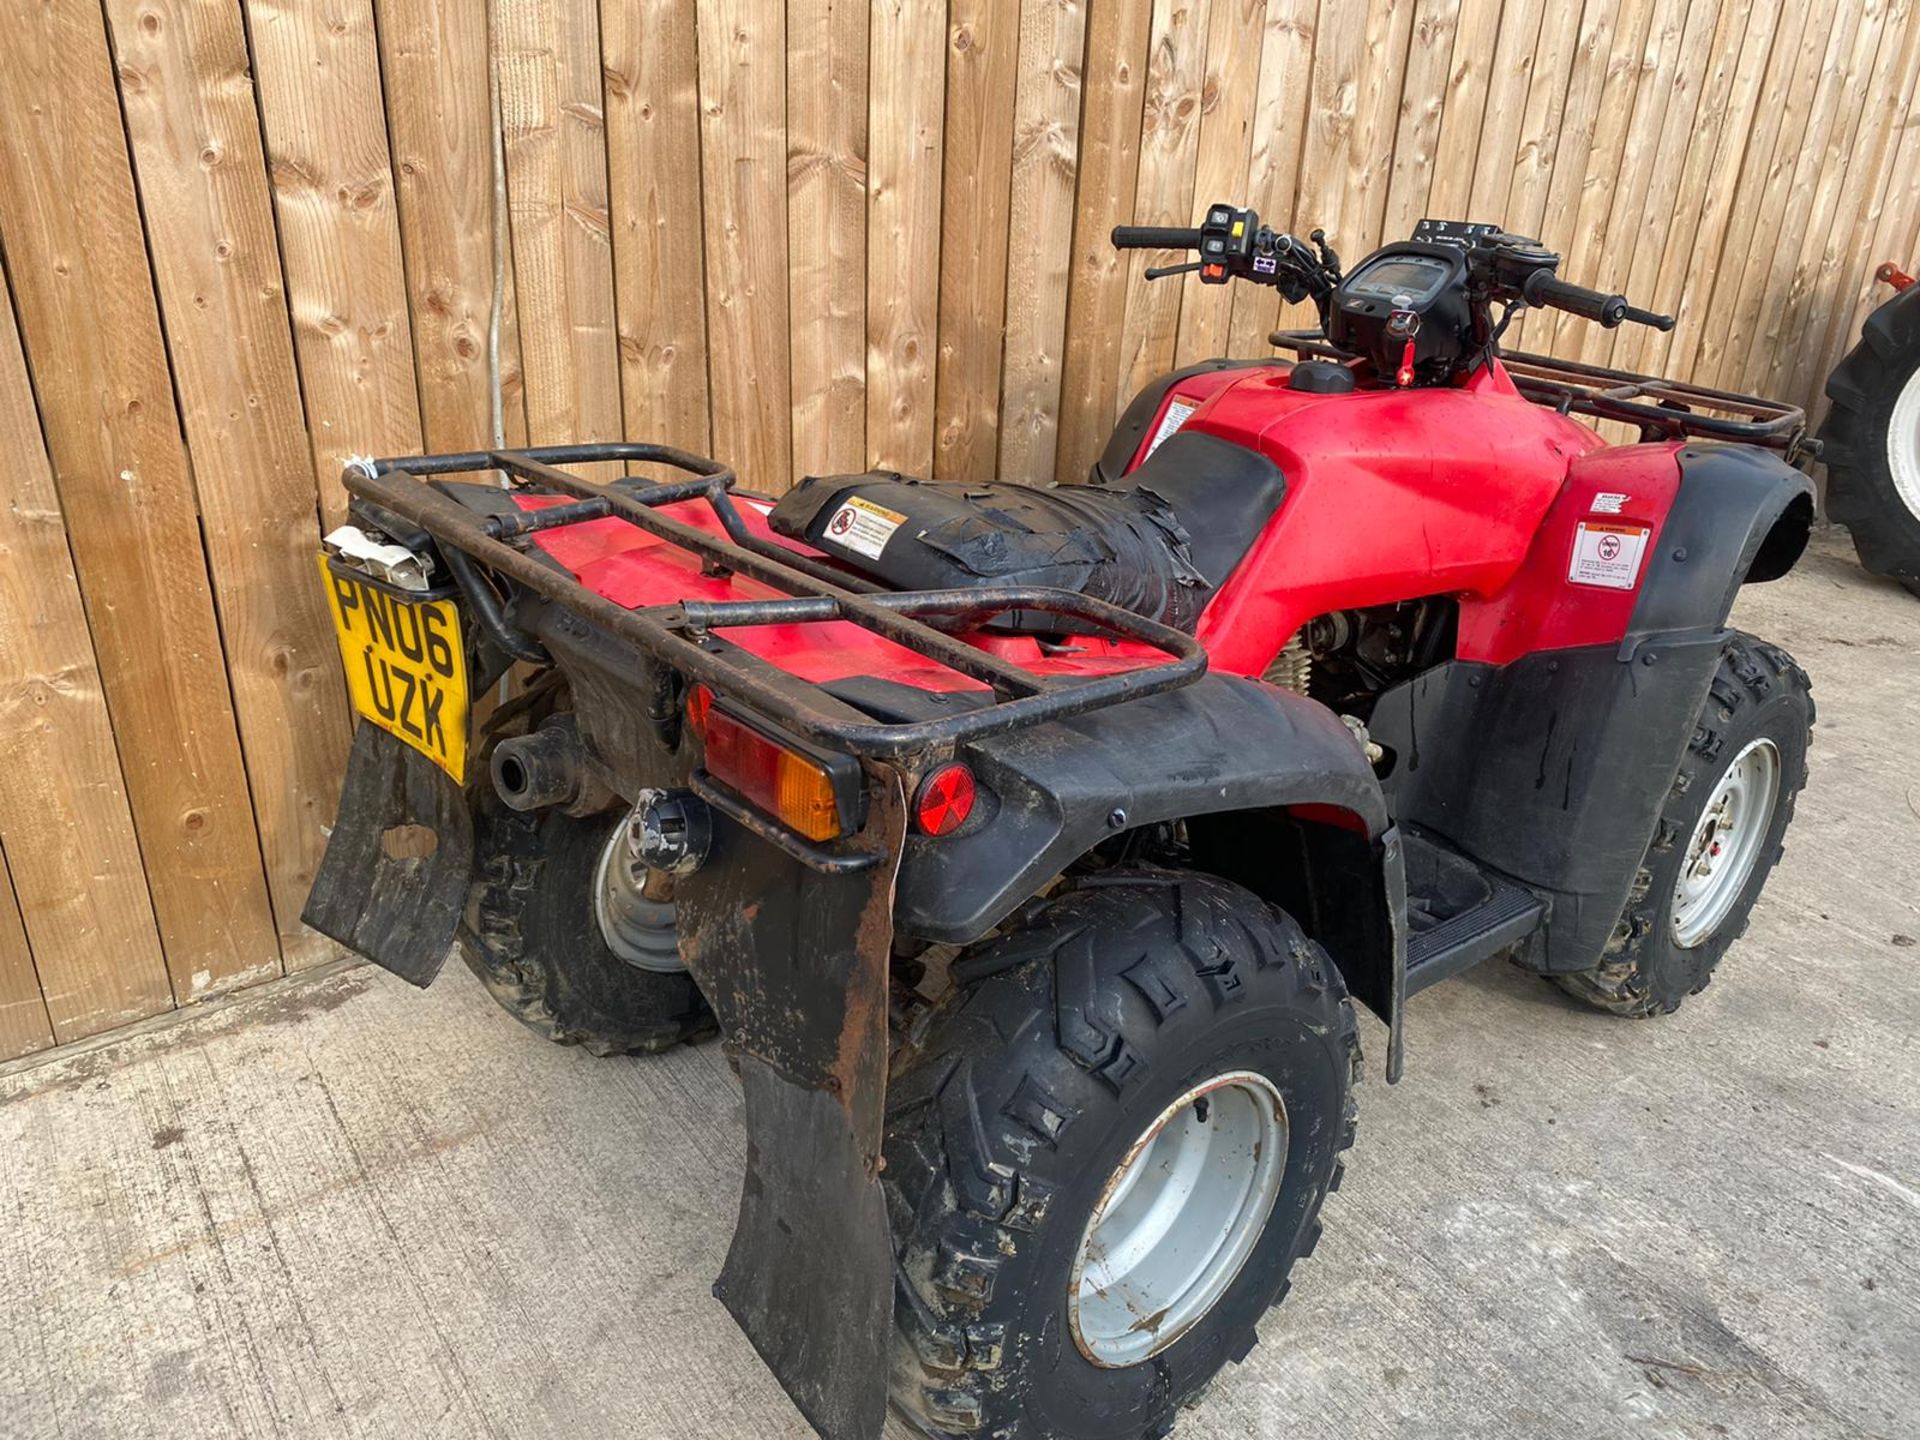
{"x":1726,"y":843}
{"x":638,"y":930}
{"x":1903,"y":444}
{"x":1179,"y":1219}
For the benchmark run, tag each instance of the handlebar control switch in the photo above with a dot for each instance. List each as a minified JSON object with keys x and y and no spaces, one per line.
{"x":1227,"y":239}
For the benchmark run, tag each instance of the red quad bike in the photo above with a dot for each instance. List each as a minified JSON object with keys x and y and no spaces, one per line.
{"x":1030,"y":847}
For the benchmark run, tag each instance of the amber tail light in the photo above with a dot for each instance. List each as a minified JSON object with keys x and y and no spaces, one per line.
{"x":797,"y":789}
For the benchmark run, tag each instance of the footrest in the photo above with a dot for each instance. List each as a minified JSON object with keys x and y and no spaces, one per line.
{"x":1507,"y":916}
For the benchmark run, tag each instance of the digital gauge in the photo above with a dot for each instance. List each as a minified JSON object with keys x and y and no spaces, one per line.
{"x":1403,"y":281}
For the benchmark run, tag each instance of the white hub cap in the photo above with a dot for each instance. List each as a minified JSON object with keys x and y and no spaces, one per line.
{"x":1726,"y":843}
{"x":1178,"y":1221}
{"x":1903,"y":444}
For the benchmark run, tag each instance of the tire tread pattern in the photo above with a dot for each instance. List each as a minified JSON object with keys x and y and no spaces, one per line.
{"x":1751,"y":673}
{"x":525,"y":973}
{"x":961,"y":1134}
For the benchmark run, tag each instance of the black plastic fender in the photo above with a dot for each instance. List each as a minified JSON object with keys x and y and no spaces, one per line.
{"x":1552,"y":769}
{"x":1055,"y":791}
{"x":1739,"y":514}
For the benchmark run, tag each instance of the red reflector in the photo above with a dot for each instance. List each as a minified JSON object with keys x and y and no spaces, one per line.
{"x":944,"y":800}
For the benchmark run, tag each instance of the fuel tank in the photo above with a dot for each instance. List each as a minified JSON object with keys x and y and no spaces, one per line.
{"x":1391,"y":494}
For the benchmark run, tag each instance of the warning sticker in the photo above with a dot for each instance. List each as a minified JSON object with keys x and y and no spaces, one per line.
{"x":863,"y":527}
{"x":1177,"y":415}
{"x":1608,"y":555}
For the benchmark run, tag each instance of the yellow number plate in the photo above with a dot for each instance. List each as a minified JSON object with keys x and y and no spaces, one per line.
{"x":406,"y":669}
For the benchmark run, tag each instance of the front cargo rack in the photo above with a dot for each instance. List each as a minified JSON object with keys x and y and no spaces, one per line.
{"x":1661,"y":409}
{"x":680,"y":634}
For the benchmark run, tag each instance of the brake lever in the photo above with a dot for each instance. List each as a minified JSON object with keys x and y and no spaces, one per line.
{"x":1647,"y":317}
{"x":1154,"y":272}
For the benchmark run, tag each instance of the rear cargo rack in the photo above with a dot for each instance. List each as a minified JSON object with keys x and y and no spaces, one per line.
{"x":682,"y":635}
{"x":1662,"y":409}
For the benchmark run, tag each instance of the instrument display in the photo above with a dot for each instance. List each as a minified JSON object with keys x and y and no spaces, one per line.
{"x":1417,"y":277}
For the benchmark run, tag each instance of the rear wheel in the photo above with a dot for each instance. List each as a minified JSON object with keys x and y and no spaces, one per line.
{"x":560,"y":930}
{"x":1114,"y":1150}
{"x":1717,"y":838}
{"x":1872,"y":442}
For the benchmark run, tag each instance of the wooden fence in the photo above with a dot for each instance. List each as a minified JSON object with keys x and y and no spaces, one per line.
{"x":244,"y":239}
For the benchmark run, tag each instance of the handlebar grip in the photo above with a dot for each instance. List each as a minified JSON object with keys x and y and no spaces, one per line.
{"x":1155,"y":237}
{"x":1543,"y":287}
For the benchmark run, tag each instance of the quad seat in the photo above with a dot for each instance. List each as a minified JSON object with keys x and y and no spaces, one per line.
{"x":1158,"y":541}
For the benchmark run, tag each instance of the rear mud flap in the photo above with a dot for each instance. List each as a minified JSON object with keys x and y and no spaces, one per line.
{"x":398,"y":910}
{"x":794,"y":963}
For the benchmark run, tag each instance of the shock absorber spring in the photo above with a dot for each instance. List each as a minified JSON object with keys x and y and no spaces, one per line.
{"x":1292,"y":668}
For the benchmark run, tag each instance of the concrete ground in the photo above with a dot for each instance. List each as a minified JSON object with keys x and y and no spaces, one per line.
{"x":340,"y":1207}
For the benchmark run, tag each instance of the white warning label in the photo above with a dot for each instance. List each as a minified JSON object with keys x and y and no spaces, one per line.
{"x":1177,"y":415}
{"x":863,"y":527}
{"x":1608,"y":555}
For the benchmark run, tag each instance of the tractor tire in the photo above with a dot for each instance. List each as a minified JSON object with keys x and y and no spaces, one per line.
{"x":1718,"y":837}
{"x":1151,"y":1031}
{"x":1872,"y":441}
{"x":534,"y":936}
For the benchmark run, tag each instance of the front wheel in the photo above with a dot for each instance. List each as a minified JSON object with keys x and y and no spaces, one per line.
{"x":1717,"y":838}
{"x":1112,"y":1154}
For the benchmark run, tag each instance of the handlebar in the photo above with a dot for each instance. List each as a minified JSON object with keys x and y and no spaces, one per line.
{"x":1544,"y":288}
{"x":1155,"y":237}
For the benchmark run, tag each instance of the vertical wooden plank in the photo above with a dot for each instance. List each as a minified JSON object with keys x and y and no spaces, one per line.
{"x":555,"y":126}
{"x":1590,"y":204}
{"x":1469,"y":79}
{"x":983,"y":53}
{"x":1163,"y":193}
{"x":1517,"y":61}
{"x":1618,"y":170}
{"x":24,"y":1026}
{"x":1893,"y":234}
{"x":906,"y":87}
{"x":827,"y":232}
{"x":1760,"y":197}
{"x":1849,"y":53}
{"x":69,"y":220}
{"x":320,"y":100}
{"x":1229,"y":95}
{"x":1358,"y":73}
{"x":64,"y":816}
{"x":1552,"y":184}
{"x":1423,"y":103}
{"x":1694,"y":204}
{"x":1645,"y":204}
{"x":743,"y":154}
{"x":1117,"y":35}
{"x":1552,"y":64}
{"x":440,"y":119}
{"x":1046,"y":148}
{"x":653,"y":163}
{"x":1273,"y":168}
{"x":184,"y":79}
{"x":1841,"y":216}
